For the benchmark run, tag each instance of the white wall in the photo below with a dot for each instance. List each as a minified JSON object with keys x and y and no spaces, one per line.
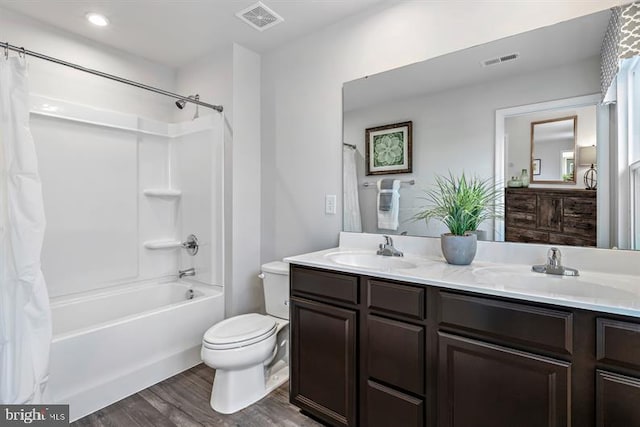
{"x":454,"y":131}
{"x":301,"y":98}
{"x":212,"y":78}
{"x":246,"y":289}
{"x":65,"y":83}
{"x":231,"y":76}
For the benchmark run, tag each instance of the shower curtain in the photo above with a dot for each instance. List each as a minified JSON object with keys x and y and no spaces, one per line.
{"x":351,"y":212}
{"x":25,"y":318}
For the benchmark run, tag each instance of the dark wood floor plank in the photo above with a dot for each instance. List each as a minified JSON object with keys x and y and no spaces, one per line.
{"x":175,"y":415}
{"x":183,"y":401}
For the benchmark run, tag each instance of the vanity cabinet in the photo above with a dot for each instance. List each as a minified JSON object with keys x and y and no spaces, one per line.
{"x":324,"y":344}
{"x":369,"y":351}
{"x":554,"y":216}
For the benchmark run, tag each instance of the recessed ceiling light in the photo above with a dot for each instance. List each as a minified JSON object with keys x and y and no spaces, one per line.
{"x":97,"y":19}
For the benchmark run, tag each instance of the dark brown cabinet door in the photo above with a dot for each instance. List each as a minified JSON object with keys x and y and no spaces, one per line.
{"x":323,"y":361}
{"x":617,"y":400}
{"x":387,"y":407}
{"x":395,"y":353}
{"x":485,"y":385}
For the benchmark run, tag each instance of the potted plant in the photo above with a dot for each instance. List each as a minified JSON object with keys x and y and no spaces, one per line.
{"x":461,"y":204}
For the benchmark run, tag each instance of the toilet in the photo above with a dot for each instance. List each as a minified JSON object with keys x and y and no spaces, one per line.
{"x":250,"y":352}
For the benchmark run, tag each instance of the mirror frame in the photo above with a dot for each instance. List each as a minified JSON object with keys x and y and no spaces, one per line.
{"x":531,"y":158}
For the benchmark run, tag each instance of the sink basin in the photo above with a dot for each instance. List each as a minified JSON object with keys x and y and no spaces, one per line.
{"x":369,"y":260}
{"x":522,"y":279}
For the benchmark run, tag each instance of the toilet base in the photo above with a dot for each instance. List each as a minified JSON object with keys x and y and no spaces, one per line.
{"x":279,"y":374}
{"x":235,"y":390}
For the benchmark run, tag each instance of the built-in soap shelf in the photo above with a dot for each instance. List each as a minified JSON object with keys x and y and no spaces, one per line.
{"x":162,"y":244}
{"x":162,"y":192}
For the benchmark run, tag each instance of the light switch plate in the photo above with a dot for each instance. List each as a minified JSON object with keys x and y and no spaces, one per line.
{"x":330,"y":202}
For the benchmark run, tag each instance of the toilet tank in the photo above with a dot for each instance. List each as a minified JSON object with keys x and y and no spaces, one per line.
{"x":275,"y":280}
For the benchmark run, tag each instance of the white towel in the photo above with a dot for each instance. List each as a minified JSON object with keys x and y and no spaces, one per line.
{"x":388,"y":219}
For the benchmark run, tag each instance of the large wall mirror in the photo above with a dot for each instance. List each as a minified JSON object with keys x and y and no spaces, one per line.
{"x":524,"y":104}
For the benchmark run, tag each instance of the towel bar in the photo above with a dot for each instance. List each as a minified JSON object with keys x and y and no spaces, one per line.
{"x":410,"y":182}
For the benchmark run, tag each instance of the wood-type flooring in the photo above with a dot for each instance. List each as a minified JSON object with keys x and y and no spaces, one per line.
{"x":183,"y":401}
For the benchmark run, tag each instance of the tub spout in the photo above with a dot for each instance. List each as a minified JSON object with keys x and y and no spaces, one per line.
{"x":187,"y":272}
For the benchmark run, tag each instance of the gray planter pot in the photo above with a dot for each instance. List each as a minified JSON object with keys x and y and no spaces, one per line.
{"x":459,"y":250}
{"x":482,"y":235}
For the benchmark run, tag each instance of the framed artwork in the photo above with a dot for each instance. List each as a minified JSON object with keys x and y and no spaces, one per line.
{"x":388,"y":149}
{"x":535,"y":166}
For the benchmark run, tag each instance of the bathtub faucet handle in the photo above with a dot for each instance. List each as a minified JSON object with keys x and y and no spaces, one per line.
{"x":191,"y":244}
{"x":187,"y":272}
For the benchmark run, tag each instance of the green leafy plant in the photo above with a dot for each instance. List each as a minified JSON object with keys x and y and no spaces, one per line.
{"x":461,"y":203}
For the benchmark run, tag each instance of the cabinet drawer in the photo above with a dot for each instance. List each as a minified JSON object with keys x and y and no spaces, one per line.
{"x":584,"y":208}
{"x":404,"y":300}
{"x":526,"y":236}
{"x":521,"y":203}
{"x":506,"y":321}
{"x":585,"y":227}
{"x":522,"y":219}
{"x":324,"y":284}
{"x":395,"y":353}
{"x":618,"y":343}
{"x":569,"y":240}
{"x":387,"y":407}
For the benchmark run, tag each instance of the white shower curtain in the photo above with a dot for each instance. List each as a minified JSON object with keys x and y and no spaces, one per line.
{"x":25,"y":318}
{"x":351,"y":211}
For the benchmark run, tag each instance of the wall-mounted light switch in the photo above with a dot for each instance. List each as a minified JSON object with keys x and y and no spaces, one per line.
{"x":330,"y":202}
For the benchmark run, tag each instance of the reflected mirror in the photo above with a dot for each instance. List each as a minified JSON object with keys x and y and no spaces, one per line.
{"x":553,"y":150}
{"x":520,"y":106}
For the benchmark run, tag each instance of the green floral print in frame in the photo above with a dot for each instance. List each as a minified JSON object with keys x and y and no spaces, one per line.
{"x":388,"y":149}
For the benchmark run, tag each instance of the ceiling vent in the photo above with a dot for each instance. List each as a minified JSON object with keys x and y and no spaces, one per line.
{"x":500,"y":59}
{"x":259,"y":16}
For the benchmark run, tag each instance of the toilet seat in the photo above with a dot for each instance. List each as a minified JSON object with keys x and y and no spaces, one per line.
{"x":239,"y":331}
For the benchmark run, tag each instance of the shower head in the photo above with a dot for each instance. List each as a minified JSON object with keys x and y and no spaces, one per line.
{"x":182,"y":102}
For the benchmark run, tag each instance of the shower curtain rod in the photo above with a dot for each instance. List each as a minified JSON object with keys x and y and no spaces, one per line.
{"x":6,"y":46}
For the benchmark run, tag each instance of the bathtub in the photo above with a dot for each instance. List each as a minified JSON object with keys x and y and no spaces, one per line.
{"x":110,"y":344}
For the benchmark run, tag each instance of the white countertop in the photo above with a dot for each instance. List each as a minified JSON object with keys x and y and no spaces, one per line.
{"x":592,"y":290}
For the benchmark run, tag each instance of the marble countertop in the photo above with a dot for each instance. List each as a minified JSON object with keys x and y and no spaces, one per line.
{"x":592,"y":290}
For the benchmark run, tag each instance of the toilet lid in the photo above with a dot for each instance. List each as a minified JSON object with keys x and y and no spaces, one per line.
{"x":239,"y":329}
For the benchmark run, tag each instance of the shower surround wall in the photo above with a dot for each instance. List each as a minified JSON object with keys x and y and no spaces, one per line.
{"x":96,"y":166}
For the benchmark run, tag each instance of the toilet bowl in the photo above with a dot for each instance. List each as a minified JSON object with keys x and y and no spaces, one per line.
{"x":250,"y":352}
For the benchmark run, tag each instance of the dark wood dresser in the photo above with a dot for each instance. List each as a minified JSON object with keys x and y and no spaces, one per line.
{"x":543,"y":215}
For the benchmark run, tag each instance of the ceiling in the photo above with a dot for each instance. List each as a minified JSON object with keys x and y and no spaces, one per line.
{"x":175,"y":32}
{"x":553,"y":46}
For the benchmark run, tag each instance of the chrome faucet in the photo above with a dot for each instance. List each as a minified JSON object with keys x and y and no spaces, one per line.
{"x":387,"y":248}
{"x":554,"y":265}
{"x":187,"y":272}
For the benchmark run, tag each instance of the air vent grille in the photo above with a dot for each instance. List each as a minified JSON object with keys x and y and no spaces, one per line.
{"x":500,"y":59}
{"x":259,"y":16}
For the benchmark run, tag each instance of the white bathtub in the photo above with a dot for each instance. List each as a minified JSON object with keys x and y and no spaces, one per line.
{"x":110,"y":344}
